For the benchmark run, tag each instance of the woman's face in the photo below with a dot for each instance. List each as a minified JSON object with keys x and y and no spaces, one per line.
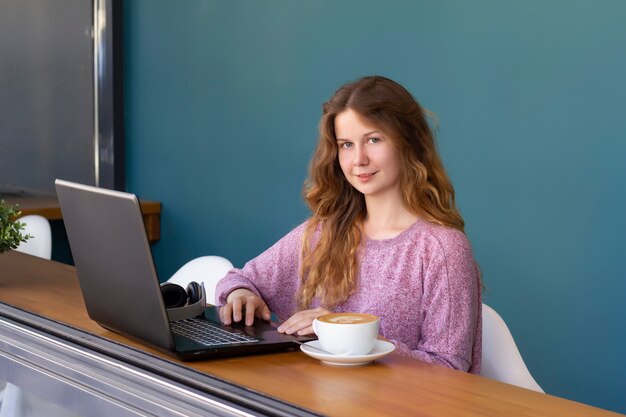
{"x":367,"y":157}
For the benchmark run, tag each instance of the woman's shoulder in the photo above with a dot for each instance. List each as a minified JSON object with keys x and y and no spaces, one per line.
{"x":441,"y":236}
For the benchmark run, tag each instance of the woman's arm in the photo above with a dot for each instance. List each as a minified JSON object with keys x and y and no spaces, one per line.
{"x":273,"y":277}
{"x":451,"y":307}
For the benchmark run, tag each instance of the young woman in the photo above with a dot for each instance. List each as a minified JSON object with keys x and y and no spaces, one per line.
{"x":384,"y":238}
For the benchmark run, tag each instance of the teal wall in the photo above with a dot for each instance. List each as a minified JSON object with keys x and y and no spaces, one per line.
{"x":223,"y":100}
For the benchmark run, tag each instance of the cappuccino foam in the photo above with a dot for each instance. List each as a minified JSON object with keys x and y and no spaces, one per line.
{"x":350,"y":318}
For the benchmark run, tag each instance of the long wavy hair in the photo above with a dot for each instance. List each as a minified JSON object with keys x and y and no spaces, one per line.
{"x":332,"y":238}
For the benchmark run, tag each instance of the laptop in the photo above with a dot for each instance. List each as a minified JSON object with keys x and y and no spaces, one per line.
{"x":121,"y":289}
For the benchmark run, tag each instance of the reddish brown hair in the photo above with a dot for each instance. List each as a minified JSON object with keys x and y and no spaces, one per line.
{"x":330,"y":264}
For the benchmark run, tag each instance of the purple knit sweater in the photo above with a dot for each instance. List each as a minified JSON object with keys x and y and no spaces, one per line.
{"x":423,"y":284}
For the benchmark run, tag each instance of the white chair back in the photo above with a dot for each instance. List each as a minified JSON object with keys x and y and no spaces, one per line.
{"x":205,"y":269}
{"x":40,"y":243}
{"x":501,"y":359}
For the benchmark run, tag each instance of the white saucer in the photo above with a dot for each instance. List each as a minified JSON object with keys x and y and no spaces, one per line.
{"x":381,"y":349}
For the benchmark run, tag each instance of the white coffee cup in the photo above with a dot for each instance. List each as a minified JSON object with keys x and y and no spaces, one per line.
{"x":347,"y":334}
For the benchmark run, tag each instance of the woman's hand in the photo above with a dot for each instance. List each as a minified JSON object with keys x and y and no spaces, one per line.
{"x":301,"y":322}
{"x":241,"y":299}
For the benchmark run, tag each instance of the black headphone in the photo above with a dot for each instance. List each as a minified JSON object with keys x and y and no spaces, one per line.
{"x":176,"y":296}
{"x":183,"y":303}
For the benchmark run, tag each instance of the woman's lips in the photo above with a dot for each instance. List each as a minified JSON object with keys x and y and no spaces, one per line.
{"x":365,"y":177}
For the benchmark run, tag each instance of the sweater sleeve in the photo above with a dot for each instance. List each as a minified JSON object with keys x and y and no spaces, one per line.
{"x":273,"y":275}
{"x":450,"y":307}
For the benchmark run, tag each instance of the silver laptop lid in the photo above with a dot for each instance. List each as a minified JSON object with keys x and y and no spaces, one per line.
{"x":114,"y":262}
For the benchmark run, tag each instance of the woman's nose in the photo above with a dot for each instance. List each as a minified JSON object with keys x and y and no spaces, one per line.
{"x":360,"y":156}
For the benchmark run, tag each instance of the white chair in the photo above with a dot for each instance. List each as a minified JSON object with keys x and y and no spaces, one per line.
{"x":40,"y":243}
{"x":501,"y":360}
{"x":205,"y":269}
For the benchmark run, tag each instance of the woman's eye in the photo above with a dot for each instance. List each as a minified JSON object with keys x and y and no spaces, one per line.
{"x":374,"y":140}
{"x":345,"y":145}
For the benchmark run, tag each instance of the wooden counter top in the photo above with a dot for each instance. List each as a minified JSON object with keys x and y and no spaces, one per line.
{"x":394,"y":385}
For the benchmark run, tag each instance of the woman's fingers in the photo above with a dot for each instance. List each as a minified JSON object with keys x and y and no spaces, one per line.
{"x":237,"y":306}
{"x":306,"y":331}
{"x":264,"y":312}
{"x":253,"y":305}
{"x":226,"y":313}
{"x":301,"y":322}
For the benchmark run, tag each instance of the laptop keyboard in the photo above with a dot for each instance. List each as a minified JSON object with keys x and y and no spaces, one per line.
{"x":207,"y":333}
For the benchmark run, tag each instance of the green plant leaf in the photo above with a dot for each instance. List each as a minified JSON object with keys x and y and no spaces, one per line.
{"x":10,"y":228}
